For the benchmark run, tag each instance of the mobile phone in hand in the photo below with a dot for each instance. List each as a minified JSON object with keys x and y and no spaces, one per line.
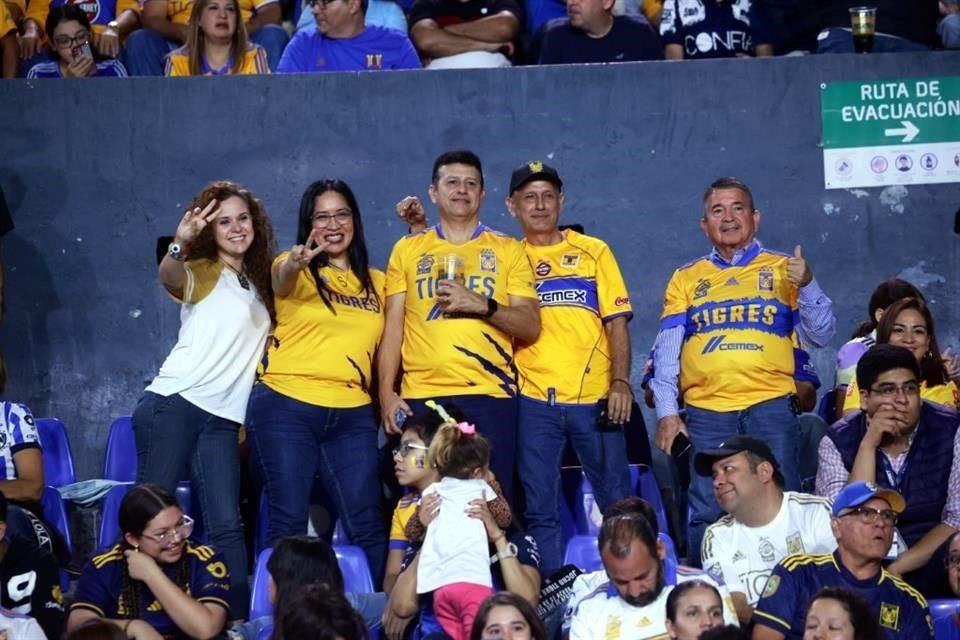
{"x":681,"y":444}
{"x":82,"y":51}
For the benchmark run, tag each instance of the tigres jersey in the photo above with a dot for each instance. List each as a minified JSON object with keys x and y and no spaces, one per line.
{"x":898,"y":607}
{"x":178,"y":11}
{"x":739,"y":323}
{"x":461,"y":355}
{"x":580,"y":287}
{"x":100,"y":586}
{"x":321,"y":356}
{"x":254,"y":63}
{"x":99,"y":12}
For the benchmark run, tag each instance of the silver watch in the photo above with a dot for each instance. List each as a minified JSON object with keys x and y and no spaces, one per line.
{"x":175,"y":251}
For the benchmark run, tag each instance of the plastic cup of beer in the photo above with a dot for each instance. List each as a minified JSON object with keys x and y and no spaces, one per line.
{"x":864,"y":23}
{"x":450,"y":267}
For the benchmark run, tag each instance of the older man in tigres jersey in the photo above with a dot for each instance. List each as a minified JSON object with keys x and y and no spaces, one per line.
{"x":455,"y":335}
{"x":727,"y":330}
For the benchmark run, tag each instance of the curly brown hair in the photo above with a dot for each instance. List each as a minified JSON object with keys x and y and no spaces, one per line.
{"x":259,"y":257}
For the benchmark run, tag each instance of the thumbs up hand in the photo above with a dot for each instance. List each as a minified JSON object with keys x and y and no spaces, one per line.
{"x":798,"y":271}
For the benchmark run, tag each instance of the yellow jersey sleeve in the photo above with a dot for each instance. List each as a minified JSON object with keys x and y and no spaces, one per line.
{"x":322,"y":352}
{"x":178,"y":11}
{"x":441,"y":353}
{"x":177,"y":63}
{"x":247,"y":10}
{"x":401,"y":516}
{"x":6,"y":21}
{"x":579,"y":287}
{"x":739,"y":325}
{"x":255,"y":61}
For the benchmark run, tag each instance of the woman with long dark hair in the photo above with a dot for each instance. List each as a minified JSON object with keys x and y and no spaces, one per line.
{"x":155,"y":582}
{"x":72,"y":54}
{"x":840,"y":614}
{"x":217,"y":44}
{"x":311,"y":412}
{"x":187,"y":423}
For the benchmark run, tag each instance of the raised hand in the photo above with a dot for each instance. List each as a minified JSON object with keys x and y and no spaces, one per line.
{"x":411,"y":210}
{"x":798,"y":271}
{"x":194,"y":221}
{"x":952,"y":363}
{"x":302,"y":254}
{"x":140,"y":565}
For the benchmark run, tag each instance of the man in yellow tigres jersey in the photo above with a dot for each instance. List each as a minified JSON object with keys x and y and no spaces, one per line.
{"x":727,"y":331}
{"x":581,"y":357}
{"x":455,"y":336}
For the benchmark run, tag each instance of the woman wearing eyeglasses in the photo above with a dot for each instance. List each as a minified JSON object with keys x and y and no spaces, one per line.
{"x":155,"y":582}
{"x":311,"y":412}
{"x":908,"y":323}
{"x":72,"y":56}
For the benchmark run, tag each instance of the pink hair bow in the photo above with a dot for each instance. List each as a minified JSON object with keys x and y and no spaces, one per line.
{"x":466,"y":428}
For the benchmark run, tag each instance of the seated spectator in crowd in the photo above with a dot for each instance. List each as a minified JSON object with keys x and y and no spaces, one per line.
{"x":113,"y":20}
{"x":908,"y":323}
{"x":863,"y":522}
{"x":380,"y":13}
{"x":166,"y":28}
{"x":591,"y":33}
{"x":632,"y":588}
{"x":343,"y":42}
{"x":9,"y":46}
{"x":701,"y":29}
{"x":217,"y":44}
{"x":763,"y":524}
{"x":458,"y":34}
{"x":29,"y":586}
{"x":949,"y":27}
{"x":899,"y":441}
{"x":952,"y":562}
{"x":840,"y":614}
{"x":865,"y":335}
{"x":71,"y":55}
{"x":692,"y":608}
{"x":506,"y":615}
{"x":155,"y":580}
{"x":319,"y":613}
{"x":901,"y":26}
{"x":296,"y":563}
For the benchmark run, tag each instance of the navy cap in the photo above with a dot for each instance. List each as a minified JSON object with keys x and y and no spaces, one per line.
{"x":703,"y":462}
{"x":534,"y":170}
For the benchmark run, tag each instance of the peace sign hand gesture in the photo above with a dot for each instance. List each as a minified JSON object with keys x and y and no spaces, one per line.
{"x":194,"y":221}
{"x":301,"y":254}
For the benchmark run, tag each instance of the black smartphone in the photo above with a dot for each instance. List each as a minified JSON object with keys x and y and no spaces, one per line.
{"x":681,"y":444}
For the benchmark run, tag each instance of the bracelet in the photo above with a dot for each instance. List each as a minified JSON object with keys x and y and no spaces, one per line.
{"x":624,"y":381}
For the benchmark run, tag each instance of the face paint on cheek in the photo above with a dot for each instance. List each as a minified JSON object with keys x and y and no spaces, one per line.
{"x":420,"y":461}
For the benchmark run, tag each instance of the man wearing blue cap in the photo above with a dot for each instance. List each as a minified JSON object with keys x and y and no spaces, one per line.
{"x":863,"y":519}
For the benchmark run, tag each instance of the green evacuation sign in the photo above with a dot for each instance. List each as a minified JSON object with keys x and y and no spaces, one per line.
{"x":891,"y":132}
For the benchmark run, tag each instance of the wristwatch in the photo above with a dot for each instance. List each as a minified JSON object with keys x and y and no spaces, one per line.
{"x":114,"y":26}
{"x":175,"y":251}
{"x":509,"y":551}
{"x":492,"y":307}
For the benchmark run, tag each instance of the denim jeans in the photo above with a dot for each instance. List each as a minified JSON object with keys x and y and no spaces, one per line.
{"x":772,"y":421}
{"x":294,"y":442}
{"x":496,"y":419}
{"x":175,"y":440}
{"x":541,"y":432}
{"x":144,"y":50}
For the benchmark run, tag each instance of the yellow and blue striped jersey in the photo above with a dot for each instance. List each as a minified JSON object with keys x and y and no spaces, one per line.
{"x":738,"y":329}
{"x":580,"y":287}
{"x":469,"y":355}
{"x":324,"y":356}
{"x":254,"y":63}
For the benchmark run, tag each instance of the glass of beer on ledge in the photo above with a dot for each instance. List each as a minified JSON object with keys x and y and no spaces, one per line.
{"x":864,"y":22}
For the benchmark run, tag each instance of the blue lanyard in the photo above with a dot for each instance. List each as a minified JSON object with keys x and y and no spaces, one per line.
{"x":893,"y":477}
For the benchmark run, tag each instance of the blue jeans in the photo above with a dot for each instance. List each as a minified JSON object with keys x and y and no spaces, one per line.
{"x":541,"y":432}
{"x":840,"y":40}
{"x":772,"y":421}
{"x":294,"y":442}
{"x":144,"y":50}
{"x":496,"y":419}
{"x":176,"y":439}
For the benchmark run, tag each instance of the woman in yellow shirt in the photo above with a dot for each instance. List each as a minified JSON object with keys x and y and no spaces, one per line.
{"x":908,"y":323}
{"x":311,"y":413}
{"x":217,"y":44}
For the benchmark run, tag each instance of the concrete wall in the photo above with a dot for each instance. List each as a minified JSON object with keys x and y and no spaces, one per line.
{"x":94,"y":171}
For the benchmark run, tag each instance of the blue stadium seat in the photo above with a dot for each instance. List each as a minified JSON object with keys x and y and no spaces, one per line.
{"x":582,"y":552}
{"x":644,"y":484}
{"x":259,"y":590}
{"x":55,"y":513}
{"x":109,"y":516}
{"x":120,"y":459}
{"x":57,"y":456}
{"x":356,"y":570}
{"x":945,"y":625}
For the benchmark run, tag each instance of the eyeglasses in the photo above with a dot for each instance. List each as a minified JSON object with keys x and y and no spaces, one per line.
{"x":890,"y":390}
{"x":80,"y":37}
{"x":869,"y":515}
{"x":322,"y":3}
{"x":324,"y":219}
{"x":953,"y":561}
{"x":405,"y":447}
{"x":182,"y":530}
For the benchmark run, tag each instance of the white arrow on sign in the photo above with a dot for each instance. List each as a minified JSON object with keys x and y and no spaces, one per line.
{"x":909,"y":131}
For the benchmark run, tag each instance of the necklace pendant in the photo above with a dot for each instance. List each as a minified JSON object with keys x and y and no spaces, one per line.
{"x":244,"y":282}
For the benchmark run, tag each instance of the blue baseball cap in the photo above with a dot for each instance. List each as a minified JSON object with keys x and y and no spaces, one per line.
{"x":856,"y":493}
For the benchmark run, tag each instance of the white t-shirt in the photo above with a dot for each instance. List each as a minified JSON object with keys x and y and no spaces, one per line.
{"x":597,"y":612}
{"x":455,"y":548}
{"x":16,"y":626}
{"x":223,"y":328}
{"x":745,"y":556}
